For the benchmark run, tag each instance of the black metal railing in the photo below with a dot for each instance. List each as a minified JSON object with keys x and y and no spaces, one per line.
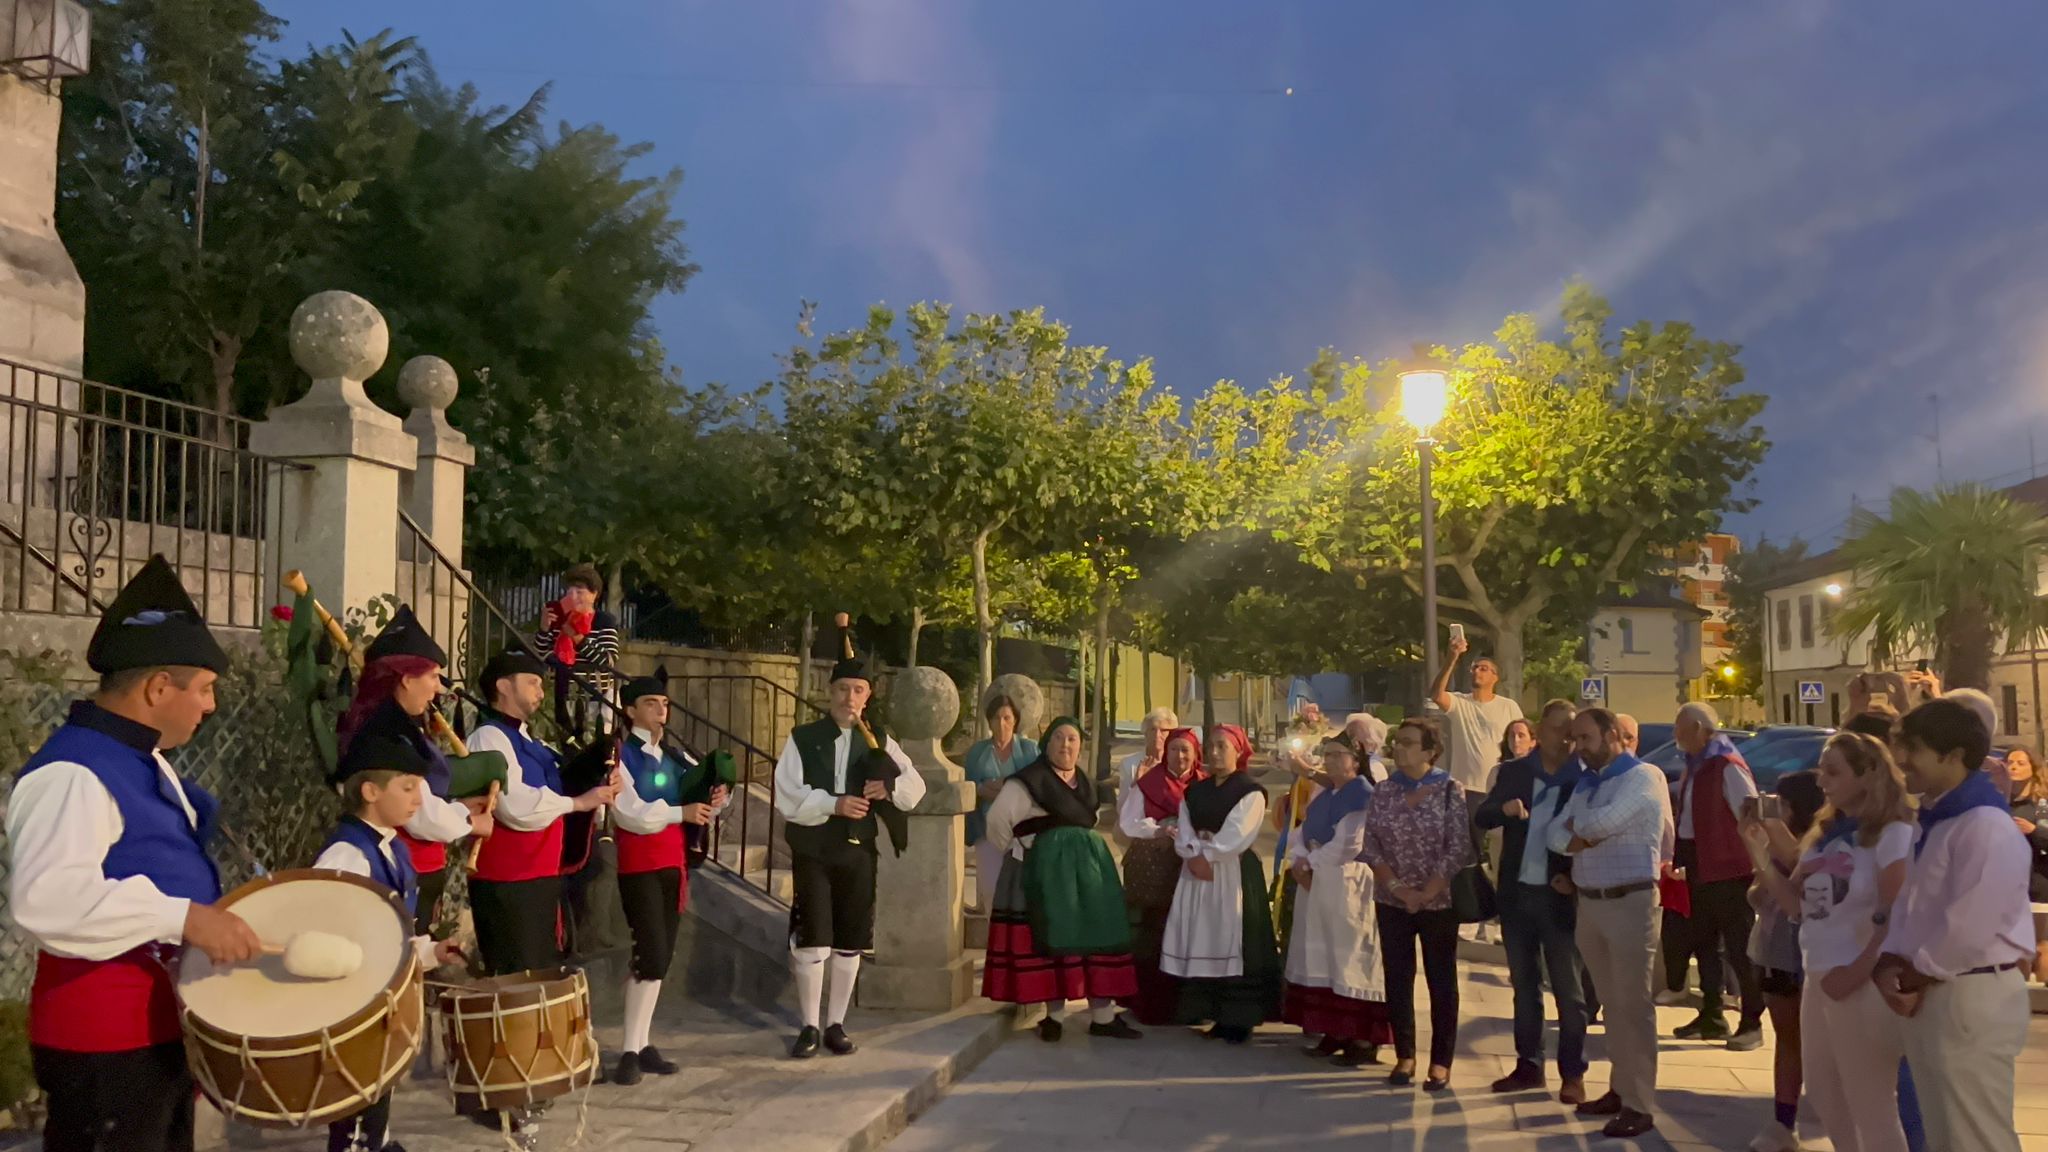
{"x":94,"y":479}
{"x":473,"y":627}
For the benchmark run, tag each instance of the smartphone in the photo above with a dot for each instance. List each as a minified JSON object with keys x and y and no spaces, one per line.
{"x":1920,"y":666}
{"x":1762,"y":808}
{"x":1458,"y":633}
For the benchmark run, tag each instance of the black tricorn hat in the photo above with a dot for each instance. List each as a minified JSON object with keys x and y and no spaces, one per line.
{"x":510,"y":662}
{"x":153,"y":623}
{"x":404,"y":637}
{"x":640,"y":686}
{"x":373,"y":751}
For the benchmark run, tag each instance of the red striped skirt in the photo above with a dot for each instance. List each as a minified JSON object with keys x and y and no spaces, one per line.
{"x":1016,"y":972}
{"x":1320,"y":1011}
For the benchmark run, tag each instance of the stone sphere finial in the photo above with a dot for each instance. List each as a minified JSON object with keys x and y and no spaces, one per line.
{"x":427,"y":382}
{"x":923,"y":703}
{"x":339,"y":335}
{"x":1027,"y":695}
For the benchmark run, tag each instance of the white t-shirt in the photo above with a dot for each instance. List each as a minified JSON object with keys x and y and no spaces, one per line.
{"x":1474,"y":731}
{"x":1838,"y":895}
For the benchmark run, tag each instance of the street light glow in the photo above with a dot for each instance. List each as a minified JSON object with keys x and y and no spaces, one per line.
{"x":1833,"y":589}
{"x":1425,"y":392}
{"x":1727,"y":671}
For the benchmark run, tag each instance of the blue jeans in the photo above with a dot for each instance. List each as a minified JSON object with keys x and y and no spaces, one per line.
{"x":1538,"y":927}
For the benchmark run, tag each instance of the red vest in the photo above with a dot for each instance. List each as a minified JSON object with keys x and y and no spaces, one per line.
{"x":1715,"y":835}
{"x":428,"y":856}
{"x":649,"y":853}
{"x":509,"y":855}
{"x":115,"y":1005}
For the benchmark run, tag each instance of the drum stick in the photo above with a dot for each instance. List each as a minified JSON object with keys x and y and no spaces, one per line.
{"x":476,"y":843}
{"x":294,"y":582}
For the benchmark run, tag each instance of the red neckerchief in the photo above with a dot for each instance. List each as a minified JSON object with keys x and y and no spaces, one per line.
{"x":1162,"y":789}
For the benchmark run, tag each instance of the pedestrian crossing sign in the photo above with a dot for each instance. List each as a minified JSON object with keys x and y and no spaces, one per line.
{"x":1812,"y":692}
{"x":1593,"y":689}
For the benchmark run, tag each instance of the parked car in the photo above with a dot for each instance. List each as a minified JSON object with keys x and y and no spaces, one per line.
{"x":1782,"y":749}
{"x":1670,"y":759}
{"x":1652,"y":735}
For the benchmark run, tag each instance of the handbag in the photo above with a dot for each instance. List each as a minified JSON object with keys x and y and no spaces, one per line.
{"x":1473,"y":899}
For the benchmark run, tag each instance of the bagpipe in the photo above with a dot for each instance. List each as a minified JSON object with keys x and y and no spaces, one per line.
{"x":875,"y":763}
{"x":309,"y":654}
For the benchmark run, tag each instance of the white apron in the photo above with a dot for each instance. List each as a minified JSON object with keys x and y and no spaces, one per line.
{"x":1335,"y":943}
{"x":1204,"y":937}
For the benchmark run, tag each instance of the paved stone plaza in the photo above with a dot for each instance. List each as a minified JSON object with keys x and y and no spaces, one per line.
{"x":1176,"y":1090}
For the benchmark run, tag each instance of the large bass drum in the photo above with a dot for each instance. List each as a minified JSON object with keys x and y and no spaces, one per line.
{"x":274,"y":1050}
{"x":516,"y":1040}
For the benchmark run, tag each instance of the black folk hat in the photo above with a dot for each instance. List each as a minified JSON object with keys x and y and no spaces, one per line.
{"x":405,"y":637}
{"x":153,"y":623}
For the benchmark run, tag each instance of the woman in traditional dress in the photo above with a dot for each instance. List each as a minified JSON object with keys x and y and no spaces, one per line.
{"x":1417,"y":837}
{"x":1149,"y":817}
{"x":1219,"y":935}
{"x":1059,"y":931}
{"x":989,"y":763}
{"x":1334,"y":982}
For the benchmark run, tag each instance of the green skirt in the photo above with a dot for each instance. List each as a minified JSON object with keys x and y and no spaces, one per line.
{"x":1075,"y":900}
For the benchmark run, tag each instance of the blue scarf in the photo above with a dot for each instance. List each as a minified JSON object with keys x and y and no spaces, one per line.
{"x":1976,"y":791}
{"x":1541,"y":781}
{"x":1319,"y":827}
{"x":1615,"y":770}
{"x":1407,"y":783}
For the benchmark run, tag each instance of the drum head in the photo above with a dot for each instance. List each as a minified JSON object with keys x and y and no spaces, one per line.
{"x":260,"y":999}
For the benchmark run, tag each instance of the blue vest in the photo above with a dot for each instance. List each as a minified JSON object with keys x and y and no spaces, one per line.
{"x":399,"y":876}
{"x":538,"y":764}
{"x":157,"y":840}
{"x":654,"y":778}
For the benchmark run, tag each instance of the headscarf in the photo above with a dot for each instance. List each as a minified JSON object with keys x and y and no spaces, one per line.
{"x":1058,"y":722}
{"x":1162,"y":789}
{"x":1238,"y":741}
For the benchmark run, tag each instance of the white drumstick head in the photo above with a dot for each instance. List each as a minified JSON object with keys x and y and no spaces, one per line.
{"x":322,"y":956}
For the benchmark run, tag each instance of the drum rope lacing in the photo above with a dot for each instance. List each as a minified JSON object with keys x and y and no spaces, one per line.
{"x":451,"y":1019}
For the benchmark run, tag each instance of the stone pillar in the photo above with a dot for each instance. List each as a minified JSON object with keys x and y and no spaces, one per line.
{"x":336,"y":518}
{"x":432,"y":493}
{"x":919,"y":962}
{"x":42,"y":299}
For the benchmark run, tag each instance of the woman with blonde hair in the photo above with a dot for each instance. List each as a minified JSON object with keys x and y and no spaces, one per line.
{"x":2029,"y":793}
{"x":1850,"y":871}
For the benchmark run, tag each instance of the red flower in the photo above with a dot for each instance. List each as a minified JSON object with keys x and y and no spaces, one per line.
{"x":281,"y":612}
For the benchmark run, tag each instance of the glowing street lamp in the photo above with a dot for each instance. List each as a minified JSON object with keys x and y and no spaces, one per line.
{"x":1833,"y":589}
{"x":1425,"y":393}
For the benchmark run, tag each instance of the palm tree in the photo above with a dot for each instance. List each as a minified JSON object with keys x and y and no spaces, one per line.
{"x":1955,"y":570}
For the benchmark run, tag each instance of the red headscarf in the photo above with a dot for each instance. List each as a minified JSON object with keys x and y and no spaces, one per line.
{"x":1161,"y":788}
{"x":380,"y":681}
{"x":1239,"y":741}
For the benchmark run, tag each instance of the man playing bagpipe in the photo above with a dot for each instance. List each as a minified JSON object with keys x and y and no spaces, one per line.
{"x":835,"y":781}
{"x":661,"y":793}
{"x":515,"y":890}
{"x":402,"y":676}
{"x":383,"y":784}
{"x":110,"y":877}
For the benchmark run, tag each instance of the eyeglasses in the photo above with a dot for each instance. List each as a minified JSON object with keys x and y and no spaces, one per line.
{"x":1410,"y":741}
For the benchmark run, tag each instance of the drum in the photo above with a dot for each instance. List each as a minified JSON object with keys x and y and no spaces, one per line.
{"x":274,"y":1050}
{"x":516,"y":1040}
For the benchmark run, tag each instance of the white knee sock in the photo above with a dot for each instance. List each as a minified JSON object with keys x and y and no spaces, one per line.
{"x":640,"y":998}
{"x":1101,"y":1011}
{"x":845,"y":966}
{"x":808,"y":966}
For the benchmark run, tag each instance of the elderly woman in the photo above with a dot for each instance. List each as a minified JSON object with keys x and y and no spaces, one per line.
{"x":1157,"y":724}
{"x":1219,"y":934}
{"x":1334,"y":982}
{"x":989,"y":763}
{"x":1149,"y":818}
{"x":1417,"y":837}
{"x":1369,"y":732}
{"x":1059,"y":930}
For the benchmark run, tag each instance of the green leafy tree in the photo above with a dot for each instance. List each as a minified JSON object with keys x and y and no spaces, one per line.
{"x":1565,"y":467}
{"x":1954,"y":570}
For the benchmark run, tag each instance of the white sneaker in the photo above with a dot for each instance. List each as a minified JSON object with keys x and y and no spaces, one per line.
{"x":1667,"y":998}
{"x":1775,"y":1138}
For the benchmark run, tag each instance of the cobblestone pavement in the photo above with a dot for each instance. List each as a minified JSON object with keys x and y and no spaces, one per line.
{"x":1174,"y":1089}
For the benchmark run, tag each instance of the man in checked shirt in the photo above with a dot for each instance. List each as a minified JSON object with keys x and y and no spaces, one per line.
{"x":1617,"y":829}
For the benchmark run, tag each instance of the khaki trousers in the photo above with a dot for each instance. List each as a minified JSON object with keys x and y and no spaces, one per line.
{"x":1962,"y":1045}
{"x":1618,"y":942}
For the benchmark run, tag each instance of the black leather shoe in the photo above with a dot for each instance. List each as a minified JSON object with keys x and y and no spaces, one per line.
{"x":1357,"y":1055}
{"x":1523,"y":1079}
{"x":1401,"y":1079}
{"x":1117,"y":1029}
{"x":1608,"y":1105}
{"x":1050,"y":1030}
{"x":806,"y":1045}
{"x":651,"y":1061}
{"x":1705,"y":1026}
{"x":1437,"y":1083}
{"x":627,"y":1073}
{"x":1629,"y":1124}
{"x":1329,"y":1047}
{"x":837,"y":1042}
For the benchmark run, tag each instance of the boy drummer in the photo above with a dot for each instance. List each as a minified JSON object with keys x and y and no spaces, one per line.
{"x":383,"y":778}
{"x":110,"y":877}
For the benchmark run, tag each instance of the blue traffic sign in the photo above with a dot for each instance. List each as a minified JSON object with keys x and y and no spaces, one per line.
{"x":1812,"y":692}
{"x":1593,"y":689}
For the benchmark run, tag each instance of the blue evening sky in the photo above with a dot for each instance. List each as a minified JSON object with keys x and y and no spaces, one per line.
{"x":1851,"y":189}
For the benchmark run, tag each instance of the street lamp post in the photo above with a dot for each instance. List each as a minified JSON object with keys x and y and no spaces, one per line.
{"x":1424,"y":395}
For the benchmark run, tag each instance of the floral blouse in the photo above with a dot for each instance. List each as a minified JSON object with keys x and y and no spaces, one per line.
{"x":1431,"y":839}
